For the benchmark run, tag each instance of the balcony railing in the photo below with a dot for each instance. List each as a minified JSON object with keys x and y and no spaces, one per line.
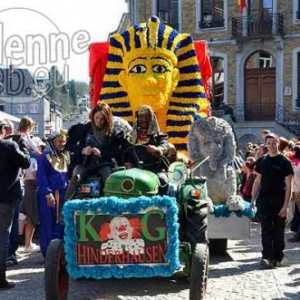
{"x":211,"y":24}
{"x":257,"y":27}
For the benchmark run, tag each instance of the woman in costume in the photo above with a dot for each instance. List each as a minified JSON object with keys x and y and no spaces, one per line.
{"x":52,"y":182}
{"x":99,"y":142}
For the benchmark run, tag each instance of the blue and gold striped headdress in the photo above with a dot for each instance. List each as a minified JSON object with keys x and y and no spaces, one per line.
{"x":187,"y":102}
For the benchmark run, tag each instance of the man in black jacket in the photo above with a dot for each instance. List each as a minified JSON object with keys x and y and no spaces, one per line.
{"x":13,"y":156}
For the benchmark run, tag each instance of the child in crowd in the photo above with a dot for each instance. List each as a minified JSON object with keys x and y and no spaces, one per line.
{"x":25,"y":130}
{"x":29,"y":207}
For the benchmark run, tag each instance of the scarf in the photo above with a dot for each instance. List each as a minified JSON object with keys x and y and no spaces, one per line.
{"x":53,"y":151}
{"x":153,"y":126}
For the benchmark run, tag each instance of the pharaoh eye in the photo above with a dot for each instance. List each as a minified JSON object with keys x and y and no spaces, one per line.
{"x":138,"y":69}
{"x":159,"y":69}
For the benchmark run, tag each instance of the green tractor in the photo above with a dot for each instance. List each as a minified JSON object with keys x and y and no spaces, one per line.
{"x":132,"y":231}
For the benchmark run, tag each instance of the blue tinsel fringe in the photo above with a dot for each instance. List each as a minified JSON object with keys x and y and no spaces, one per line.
{"x":117,"y":206}
{"x":223,"y":211}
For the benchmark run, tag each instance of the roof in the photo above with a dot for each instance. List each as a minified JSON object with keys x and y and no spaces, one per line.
{"x":19,"y":82}
{"x":5,"y":116}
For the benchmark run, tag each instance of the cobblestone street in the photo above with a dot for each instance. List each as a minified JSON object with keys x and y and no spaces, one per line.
{"x":237,"y":275}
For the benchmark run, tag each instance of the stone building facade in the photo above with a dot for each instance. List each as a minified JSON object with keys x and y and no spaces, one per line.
{"x":255,"y":52}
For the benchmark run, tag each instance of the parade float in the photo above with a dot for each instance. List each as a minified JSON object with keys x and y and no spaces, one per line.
{"x":150,"y":64}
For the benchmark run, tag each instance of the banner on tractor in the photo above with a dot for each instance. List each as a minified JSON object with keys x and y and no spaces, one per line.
{"x":113,"y":237}
{"x":123,"y":239}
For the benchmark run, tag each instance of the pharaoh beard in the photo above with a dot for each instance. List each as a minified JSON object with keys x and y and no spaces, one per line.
{"x":92,"y":256}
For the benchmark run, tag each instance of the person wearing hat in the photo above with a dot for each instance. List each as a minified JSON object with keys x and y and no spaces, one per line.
{"x":52,"y":182}
{"x":146,"y":132}
{"x":29,"y":206}
{"x":13,"y":157}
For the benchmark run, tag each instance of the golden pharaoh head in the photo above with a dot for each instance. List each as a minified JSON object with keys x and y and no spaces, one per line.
{"x":155,"y":65}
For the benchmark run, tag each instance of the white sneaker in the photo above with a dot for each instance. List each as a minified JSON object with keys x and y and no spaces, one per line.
{"x":32,"y":248}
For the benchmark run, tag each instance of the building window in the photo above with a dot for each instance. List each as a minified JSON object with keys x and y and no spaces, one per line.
{"x":35,"y":129}
{"x":168,"y":12}
{"x":20,"y":109}
{"x":2,"y":107}
{"x":34,"y":108}
{"x":296,"y":11}
{"x":211,"y":14}
{"x":217,"y":81}
{"x":260,"y":60}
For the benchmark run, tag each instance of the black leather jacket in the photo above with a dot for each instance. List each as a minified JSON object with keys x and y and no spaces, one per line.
{"x":77,"y":140}
{"x":13,"y":157}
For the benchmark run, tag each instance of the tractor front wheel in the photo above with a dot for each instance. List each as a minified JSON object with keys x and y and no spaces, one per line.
{"x":199,"y":272}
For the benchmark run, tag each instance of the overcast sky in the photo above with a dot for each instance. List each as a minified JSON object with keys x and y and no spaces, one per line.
{"x":37,"y":34}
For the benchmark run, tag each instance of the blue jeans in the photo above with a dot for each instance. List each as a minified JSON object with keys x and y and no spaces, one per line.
{"x":7,"y":211}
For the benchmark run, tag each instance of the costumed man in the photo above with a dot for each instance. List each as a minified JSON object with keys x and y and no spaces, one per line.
{"x":154,"y":64}
{"x":52,"y":182}
{"x":154,"y":145}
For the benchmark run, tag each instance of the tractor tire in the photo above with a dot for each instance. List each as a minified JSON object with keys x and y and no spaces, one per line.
{"x":199,"y":272}
{"x":218,"y":246}
{"x":56,"y":274}
{"x":196,"y":223}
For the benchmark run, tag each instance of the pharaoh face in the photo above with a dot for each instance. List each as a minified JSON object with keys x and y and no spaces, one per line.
{"x":120,"y":229}
{"x":150,"y":80}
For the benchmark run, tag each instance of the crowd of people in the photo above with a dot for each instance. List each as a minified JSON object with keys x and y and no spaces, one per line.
{"x":270,"y":180}
{"x":50,"y":173}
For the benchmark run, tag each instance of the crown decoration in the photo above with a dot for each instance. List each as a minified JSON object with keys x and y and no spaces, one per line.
{"x":187,"y":102}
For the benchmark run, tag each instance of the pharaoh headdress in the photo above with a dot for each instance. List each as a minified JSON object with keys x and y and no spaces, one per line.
{"x":187,"y":102}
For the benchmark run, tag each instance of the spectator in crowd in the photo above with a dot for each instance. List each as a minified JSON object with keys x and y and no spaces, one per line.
{"x":249,"y":150}
{"x":13,"y":157}
{"x":14,"y":238}
{"x":98,"y":142}
{"x":29,"y":205}
{"x":283,"y":144}
{"x":10,"y":129}
{"x":260,"y":151}
{"x":247,"y":179}
{"x":295,"y":203}
{"x":52,"y":182}
{"x":272,"y":192}
{"x":264,"y":133}
{"x":25,"y":129}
